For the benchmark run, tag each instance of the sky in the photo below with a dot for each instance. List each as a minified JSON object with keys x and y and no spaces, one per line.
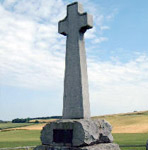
{"x":32,"y":57}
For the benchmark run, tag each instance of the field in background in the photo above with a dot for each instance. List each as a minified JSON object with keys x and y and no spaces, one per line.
{"x":20,"y":138}
{"x":128,"y":129}
{"x":10,"y":125}
{"x":131,"y":139}
{"x":133,"y":148}
{"x":43,"y":120}
{"x":37,"y":126}
{"x":136,"y":122}
{"x":26,"y":126}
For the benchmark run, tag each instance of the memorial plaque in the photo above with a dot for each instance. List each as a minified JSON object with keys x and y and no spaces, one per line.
{"x":62,"y":136}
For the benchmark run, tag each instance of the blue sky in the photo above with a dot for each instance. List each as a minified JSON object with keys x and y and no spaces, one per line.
{"x":32,"y":57}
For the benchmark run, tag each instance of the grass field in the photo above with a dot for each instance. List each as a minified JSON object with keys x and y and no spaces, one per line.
{"x":13,"y":125}
{"x":133,"y":148}
{"x":43,"y":120}
{"x":136,"y":122}
{"x":131,"y":139}
{"x":128,"y":129}
{"x":17,"y":138}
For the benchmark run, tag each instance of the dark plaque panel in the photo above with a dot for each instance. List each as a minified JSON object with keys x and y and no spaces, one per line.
{"x":62,"y":136}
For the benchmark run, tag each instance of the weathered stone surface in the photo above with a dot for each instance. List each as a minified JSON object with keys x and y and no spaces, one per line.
{"x":85,"y":132}
{"x":108,"y":146}
{"x":77,"y":131}
{"x":76,"y":96}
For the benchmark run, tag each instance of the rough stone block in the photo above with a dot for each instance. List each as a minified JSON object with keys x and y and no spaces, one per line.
{"x":107,"y":146}
{"x":82,"y":132}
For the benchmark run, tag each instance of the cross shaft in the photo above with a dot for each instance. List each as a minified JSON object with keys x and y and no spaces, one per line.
{"x":76,"y":96}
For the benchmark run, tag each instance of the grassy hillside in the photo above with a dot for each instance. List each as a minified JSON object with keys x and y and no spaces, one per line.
{"x":19,"y":138}
{"x":43,"y":120}
{"x":13,"y":125}
{"x":136,"y":122}
{"x":128,"y":129}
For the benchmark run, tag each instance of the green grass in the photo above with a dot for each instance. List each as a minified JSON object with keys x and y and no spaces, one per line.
{"x":131,"y":139}
{"x":13,"y":125}
{"x":133,"y":148}
{"x":20,"y":138}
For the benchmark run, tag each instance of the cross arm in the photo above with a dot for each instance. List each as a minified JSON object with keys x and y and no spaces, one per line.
{"x":86,"y":22}
{"x":62,"y":27}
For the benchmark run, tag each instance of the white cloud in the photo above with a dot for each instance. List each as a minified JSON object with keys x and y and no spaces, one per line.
{"x":31,"y":49}
{"x":99,"y":40}
{"x":99,"y":19}
{"x":90,"y":34}
{"x":112,"y":14}
{"x":104,"y":28}
{"x":32,"y":56}
{"x":119,"y":87}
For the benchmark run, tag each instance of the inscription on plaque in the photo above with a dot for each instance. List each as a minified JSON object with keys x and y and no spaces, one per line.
{"x":62,"y":136}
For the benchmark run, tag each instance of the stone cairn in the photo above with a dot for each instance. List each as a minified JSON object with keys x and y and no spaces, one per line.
{"x":76,"y":130}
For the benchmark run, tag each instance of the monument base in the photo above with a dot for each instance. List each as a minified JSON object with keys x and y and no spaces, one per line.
{"x":107,"y":146}
{"x":76,"y":132}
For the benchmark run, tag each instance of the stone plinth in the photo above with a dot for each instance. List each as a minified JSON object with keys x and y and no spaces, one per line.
{"x":107,"y":146}
{"x":76,"y":132}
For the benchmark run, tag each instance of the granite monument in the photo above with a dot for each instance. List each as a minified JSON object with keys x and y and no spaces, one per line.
{"x":76,"y":130}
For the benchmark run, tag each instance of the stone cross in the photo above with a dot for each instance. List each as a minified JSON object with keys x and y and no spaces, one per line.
{"x":76,"y":97}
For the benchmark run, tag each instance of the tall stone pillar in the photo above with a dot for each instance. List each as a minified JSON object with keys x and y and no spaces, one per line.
{"x":76,"y":95}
